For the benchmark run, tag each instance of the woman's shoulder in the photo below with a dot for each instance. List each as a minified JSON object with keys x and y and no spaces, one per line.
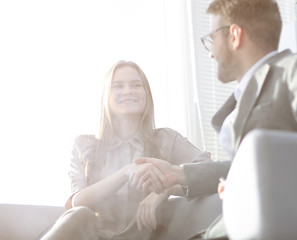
{"x":166,"y":132}
{"x":170,"y":136}
{"x":83,"y":142}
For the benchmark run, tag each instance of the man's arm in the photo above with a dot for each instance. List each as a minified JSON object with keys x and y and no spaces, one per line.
{"x":203,"y":178}
{"x":200,"y":178}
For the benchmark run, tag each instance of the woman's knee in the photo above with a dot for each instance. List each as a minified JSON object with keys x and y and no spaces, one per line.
{"x":81,"y":213}
{"x":76,"y":223}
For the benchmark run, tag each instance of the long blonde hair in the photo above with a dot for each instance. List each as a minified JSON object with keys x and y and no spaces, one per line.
{"x":147,"y":122}
{"x":106,"y":131}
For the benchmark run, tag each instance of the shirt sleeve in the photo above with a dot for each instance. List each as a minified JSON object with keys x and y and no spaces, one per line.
{"x":81,"y":149}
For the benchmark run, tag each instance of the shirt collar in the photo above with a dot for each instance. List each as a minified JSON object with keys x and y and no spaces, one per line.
{"x":135,"y":141}
{"x":244,"y":81}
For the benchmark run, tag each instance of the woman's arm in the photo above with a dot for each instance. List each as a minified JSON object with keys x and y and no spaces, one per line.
{"x":91,"y":195}
{"x":99,"y":192}
{"x":146,"y":213}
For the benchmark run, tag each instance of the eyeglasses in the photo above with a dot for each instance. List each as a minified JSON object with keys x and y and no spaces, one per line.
{"x":207,"y":40}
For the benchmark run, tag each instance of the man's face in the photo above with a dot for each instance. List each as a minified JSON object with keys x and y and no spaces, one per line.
{"x":222,"y":51}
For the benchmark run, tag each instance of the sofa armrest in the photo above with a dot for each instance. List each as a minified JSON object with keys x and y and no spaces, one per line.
{"x":179,"y":218}
{"x":260,"y":195}
{"x":27,"y":222}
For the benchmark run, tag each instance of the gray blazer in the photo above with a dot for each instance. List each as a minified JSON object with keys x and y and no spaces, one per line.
{"x":269,"y":101}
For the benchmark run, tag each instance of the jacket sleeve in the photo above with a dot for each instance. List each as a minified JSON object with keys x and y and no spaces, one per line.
{"x":203,"y":177}
{"x":292,"y":86}
{"x":202,"y":173}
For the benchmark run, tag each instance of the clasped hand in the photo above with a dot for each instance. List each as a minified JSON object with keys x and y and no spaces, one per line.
{"x":153,"y":175}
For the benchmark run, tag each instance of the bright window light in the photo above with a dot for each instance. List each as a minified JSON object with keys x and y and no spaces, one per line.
{"x":53,"y":59}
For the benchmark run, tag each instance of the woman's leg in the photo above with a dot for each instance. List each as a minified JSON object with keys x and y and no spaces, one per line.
{"x":75,"y":224}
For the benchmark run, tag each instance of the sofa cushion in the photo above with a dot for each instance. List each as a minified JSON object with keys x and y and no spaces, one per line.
{"x":26,"y":222}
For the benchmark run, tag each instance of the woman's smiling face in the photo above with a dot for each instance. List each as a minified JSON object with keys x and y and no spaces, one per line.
{"x":127,"y":93}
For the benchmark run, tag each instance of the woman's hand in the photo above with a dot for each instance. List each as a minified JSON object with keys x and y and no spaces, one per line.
{"x":146,"y":213}
{"x":148,"y":177}
{"x":162,"y":175}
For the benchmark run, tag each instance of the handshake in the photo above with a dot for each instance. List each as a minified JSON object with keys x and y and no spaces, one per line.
{"x":155,"y":175}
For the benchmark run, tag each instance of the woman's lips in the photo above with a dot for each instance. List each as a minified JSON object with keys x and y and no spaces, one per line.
{"x":128,"y":100}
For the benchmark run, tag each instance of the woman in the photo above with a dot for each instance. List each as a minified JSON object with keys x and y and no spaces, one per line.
{"x":101,"y":166}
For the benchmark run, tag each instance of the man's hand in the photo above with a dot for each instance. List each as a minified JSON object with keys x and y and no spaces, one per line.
{"x":162,"y":176}
{"x":221,"y":188}
{"x":146,"y":177}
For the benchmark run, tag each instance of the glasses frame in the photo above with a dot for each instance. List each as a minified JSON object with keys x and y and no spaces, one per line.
{"x":207,"y":40}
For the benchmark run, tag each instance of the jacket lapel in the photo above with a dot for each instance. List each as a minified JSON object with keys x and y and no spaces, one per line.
{"x":249,"y":98}
{"x":219,"y":117}
{"x":247,"y":102}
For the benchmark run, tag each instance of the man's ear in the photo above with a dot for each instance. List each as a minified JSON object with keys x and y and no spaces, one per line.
{"x":236,"y":36}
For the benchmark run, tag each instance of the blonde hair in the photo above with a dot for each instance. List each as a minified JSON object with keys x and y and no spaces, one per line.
{"x":260,"y":18}
{"x":146,"y":126}
{"x":147,"y":122}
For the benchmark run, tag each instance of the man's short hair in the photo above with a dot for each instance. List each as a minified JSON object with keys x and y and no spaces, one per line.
{"x":259,"y":18}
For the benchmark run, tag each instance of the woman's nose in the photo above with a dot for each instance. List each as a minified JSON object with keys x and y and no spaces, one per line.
{"x":127,"y":89}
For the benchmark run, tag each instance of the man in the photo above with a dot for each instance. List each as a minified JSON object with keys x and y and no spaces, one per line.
{"x":244,"y":41}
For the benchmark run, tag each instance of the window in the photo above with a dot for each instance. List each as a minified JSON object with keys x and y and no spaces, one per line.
{"x":288,"y":14}
{"x":211,"y":93}
{"x":54,"y":57}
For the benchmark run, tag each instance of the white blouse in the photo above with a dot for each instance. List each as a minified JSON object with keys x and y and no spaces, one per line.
{"x":118,"y":213}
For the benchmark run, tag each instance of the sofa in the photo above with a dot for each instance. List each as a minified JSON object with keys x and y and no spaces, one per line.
{"x":260,"y":198}
{"x":30,"y":222}
{"x":26,"y":222}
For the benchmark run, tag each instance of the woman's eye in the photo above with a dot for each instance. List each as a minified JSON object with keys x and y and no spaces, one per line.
{"x":137,"y":85}
{"x":116,"y":85}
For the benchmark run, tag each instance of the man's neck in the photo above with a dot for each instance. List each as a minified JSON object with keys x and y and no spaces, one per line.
{"x":250,"y":58}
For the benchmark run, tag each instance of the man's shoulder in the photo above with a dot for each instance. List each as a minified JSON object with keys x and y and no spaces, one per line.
{"x":284,"y":58}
